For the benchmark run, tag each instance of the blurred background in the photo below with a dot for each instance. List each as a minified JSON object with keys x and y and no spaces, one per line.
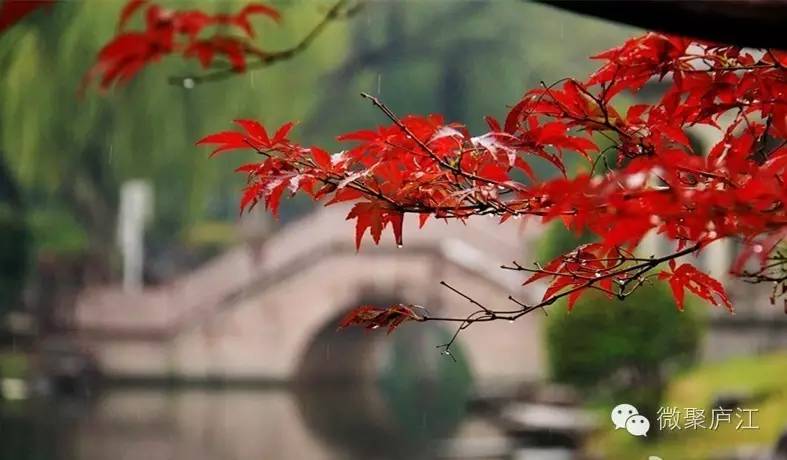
{"x":141,"y":318}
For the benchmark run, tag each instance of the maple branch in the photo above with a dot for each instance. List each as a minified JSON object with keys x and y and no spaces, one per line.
{"x":470,"y":299}
{"x":455,"y":169}
{"x":266,"y":59}
{"x":774,"y":270}
{"x":336,"y":180}
{"x":629,"y":279}
{"x":443,"y":172}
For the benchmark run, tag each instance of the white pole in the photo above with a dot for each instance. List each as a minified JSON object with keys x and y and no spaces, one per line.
{"x":136,"y":203}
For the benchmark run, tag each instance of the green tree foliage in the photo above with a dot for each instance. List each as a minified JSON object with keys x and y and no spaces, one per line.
{"x":71,"y":154}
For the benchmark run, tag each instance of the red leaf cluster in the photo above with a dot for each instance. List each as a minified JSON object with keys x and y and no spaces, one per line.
{"x":373,"y":317}
{"x":649,"y":177}
{"x":587,"y":263}
{"x":169,"y":31}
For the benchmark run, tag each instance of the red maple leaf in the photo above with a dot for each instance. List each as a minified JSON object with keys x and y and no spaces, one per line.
{"x":168,"y":32}
{"x":686,"y":276}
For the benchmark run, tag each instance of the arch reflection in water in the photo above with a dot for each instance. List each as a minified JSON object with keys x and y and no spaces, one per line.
{"x":359,"y":396}
{"x":372,"y":395}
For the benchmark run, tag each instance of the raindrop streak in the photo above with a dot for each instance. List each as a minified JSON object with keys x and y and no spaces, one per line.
{"x":111,"y":151}
{"x":379,"y":82}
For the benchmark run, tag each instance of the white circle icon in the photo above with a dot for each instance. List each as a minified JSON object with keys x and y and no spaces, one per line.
{"x":620,"y":413}
{"x":638,"y":425}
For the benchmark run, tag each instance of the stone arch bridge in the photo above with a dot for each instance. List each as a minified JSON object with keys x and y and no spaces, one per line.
{"x":247,"y":317}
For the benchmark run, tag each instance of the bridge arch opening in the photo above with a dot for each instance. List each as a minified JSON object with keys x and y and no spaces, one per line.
{"x":371,"y":394}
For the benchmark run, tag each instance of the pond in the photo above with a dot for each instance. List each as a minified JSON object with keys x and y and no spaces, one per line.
{"x":382,"y":406}
{"x":227,"y":424}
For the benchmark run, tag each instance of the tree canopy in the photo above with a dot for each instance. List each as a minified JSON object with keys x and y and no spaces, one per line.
{"x":650,"y":178}
{"x":642,"y":173}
